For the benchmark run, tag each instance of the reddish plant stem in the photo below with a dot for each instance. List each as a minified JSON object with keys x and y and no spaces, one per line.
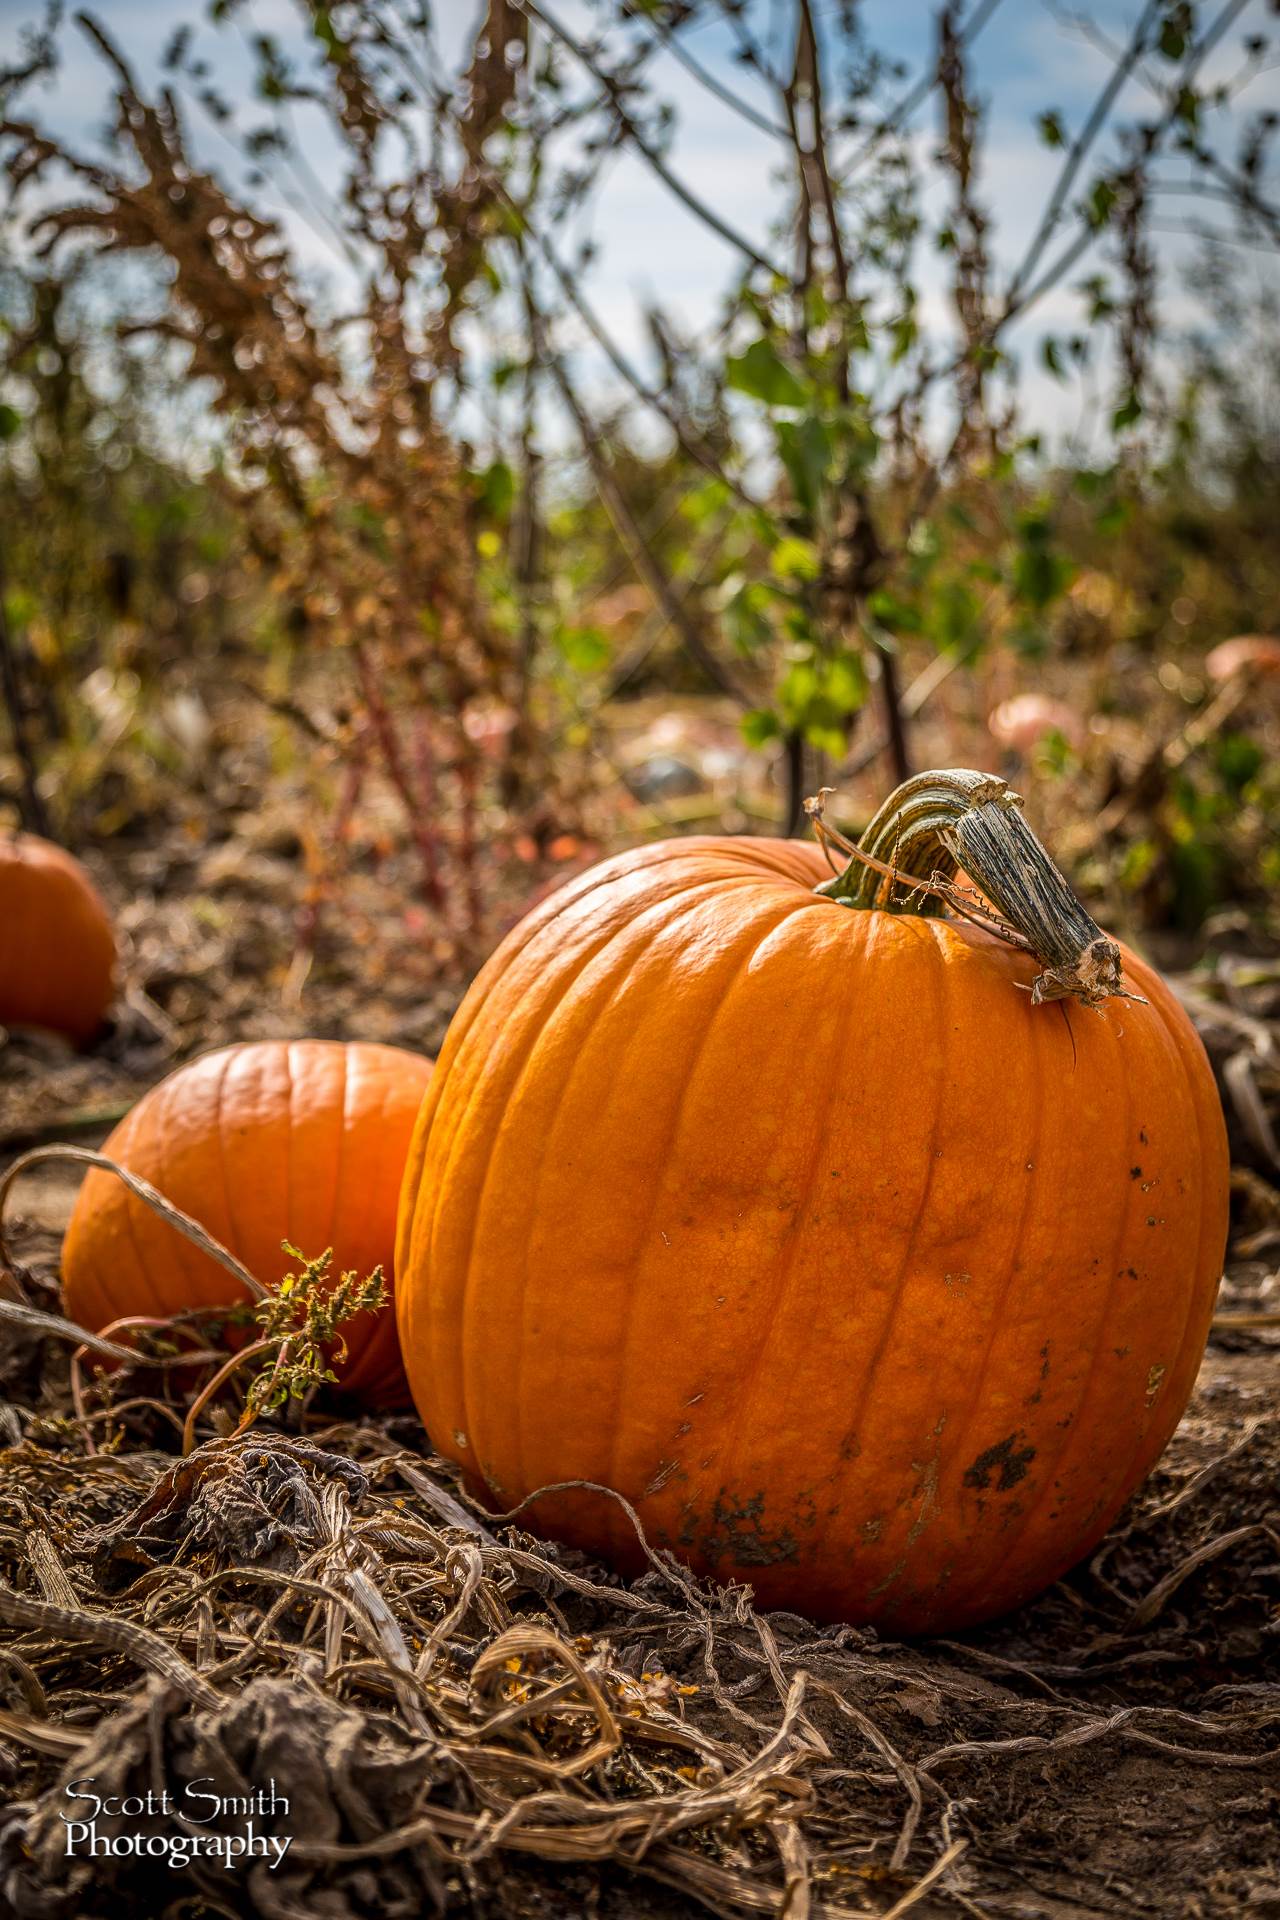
{"x":398,"y":773}
{"x":467,"y":839}
{"x":424,"y":760}
{"x":353,"y":781}
{"x":76,"y":1373}
{"x":219,"y":1380}
{"x":308,"y":921}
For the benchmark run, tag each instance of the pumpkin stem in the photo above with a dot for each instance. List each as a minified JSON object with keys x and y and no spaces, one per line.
{"x":953,"y":819}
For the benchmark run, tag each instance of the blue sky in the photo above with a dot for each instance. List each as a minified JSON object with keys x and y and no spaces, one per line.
{"x":1028,"y":58}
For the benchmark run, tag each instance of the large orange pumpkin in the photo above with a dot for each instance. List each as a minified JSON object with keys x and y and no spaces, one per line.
{"x":57,"y":951}
{"x":861,"y":1276}
{"x":299,"y":1140}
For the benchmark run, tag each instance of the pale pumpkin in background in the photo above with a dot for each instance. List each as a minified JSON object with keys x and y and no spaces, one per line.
{"x":57,"y":949}
{"x":863,"y":1278}
{"x":300,"y":1140}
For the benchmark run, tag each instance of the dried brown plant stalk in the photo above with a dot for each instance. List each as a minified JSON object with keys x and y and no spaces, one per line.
{"x":358,"y":514}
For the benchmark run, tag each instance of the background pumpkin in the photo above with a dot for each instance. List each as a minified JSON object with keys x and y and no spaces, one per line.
{"x":299,"y":1140}
{"x":57,"y":950}
{"x":865,"y":1280}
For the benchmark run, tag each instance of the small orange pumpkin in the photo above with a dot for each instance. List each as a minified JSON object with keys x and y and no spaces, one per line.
{"x":864,"y":1277}
{"x":57,"y":950}
{"x":300,"y":1140}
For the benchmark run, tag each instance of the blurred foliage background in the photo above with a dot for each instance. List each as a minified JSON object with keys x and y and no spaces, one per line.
{"x":411,"y":571}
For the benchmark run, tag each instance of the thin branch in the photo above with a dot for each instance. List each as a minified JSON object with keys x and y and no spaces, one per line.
{"x":1079,"y":149}
{"x":1238,"y":187}
{"x":642,"y":556}
{"x":1214,"y":236}
{"x":751,"y":52}
{"x":650,"y":396}
{"x":685,"y":195}
{"x":1019,"y":304}
{"x":813,"y":159}
{"x":696,"y":450}
{"x":527,"y":529}
{"x":894,"y":717}
{"x":676,"y":48}
{"x":922,"y":689}
{"x":1088,"y":235}
{"x":911,"y":102}
{"x":701,"y":557}
{"x":143,"y":1190}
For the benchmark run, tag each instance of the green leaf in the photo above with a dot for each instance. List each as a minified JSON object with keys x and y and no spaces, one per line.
{"x":1040,"y":574}
{"x":1127,"y":415}
{"x":1051,"y":129}
{"x":857,"y":334}
{"x":855,"y":442}
{"x":20,"y":606}
{"x":1100,"y":203}
{"x":1139,"y":862}
{"x":10,"y":421}
{"x":894,"y":614}
{"x":585,"y":648}
{"x":904,"y":333}
{"x":819,"y":697}
{"x":829,"y":740}
{"x":953,"y":622}
{"x":497,"y":489}
{"x":760,"y":726}
{"x":1053,"y":752}
{"x":795,"y":559}
{"x":1238,"y":759}
{"x":323,"y":28}
{"x":1090,"y":483}
{"x":796,"y":692}
{"x":701,"y":503}
{"x":846,"y":682}
{"x":762,"y":374}
{"x":804,"y":447}
{"x":1113,"y":518}
{"x":797,"y":627}
{"x":1175,"y":31}
{"x":746,"y":617}
{"x":1051,"y":358}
